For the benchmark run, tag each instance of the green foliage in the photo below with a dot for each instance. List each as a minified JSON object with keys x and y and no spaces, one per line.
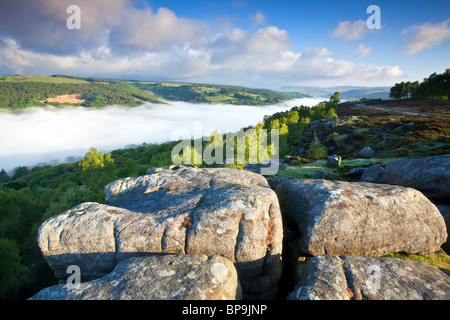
{"x":316,"y":150}
{"x":4,"y":177}
{"x":79,"y":194}
{"x":214,"y":94}
{"x":436,"y":86}
{"x":403,"y":89}
{"x":293,"y":124}
{"x":20,"y":172}
{"x":95,"y":159}
{"x":12,"y":272}
{"x":17,"y":94}
{"x":439,"y":259}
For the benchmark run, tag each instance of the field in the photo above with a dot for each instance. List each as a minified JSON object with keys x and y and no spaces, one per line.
{"x":41,"y":79}
{"x":392,"y":135}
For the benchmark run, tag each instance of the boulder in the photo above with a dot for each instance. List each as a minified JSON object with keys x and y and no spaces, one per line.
{"x":157,"y":277}
{"x":356,"y":218}
{"x":356,"y":172}
{"x":330,"y":277}
{"x":334,"y":161}
{"x":325,"y":174}
{"x":367,"y":152}
{"x":429,"y":175}
{"x":375,"y":173}
{"x":444,"y":209}
{"x":179,"y":209}
{"x":274,"y":181}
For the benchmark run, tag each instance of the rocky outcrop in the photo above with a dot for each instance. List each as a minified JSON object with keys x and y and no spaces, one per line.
{"x":375,"y":173}
{"x":444,"y":209}
{"x":367,"y":152}
{"x":334,"y":161}
{"x":325,"y":174}
{"x":177,"y":209}
{"x":429,"y":175}
{"x":330,"y":277}
{"x":157,"y":277}
{"x":367,"y":219}
{"x":181,"y":232}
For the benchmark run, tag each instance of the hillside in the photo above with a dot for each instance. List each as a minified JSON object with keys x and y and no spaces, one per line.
{"x":347,"y":92}
{"x":24,"y":91}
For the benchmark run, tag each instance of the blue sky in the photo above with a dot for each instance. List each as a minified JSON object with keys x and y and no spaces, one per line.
{"x":242,"y":42}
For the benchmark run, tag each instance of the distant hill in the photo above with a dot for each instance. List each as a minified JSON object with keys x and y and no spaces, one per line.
{"x":347,"y":92}
{"x":25,"y":91}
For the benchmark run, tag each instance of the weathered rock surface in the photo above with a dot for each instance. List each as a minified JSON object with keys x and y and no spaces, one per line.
{"x":334,"y":161}
{"x":157,"y":277}
{"x":178,"y":209}
{"x":367,"y":152}
{"x":345,"y":218}
{"x":375,"y":174}
{"x":330,"y":277}
{"x":325,"y":174}
{"x":429,"y":175}
{"x":445,"y":211}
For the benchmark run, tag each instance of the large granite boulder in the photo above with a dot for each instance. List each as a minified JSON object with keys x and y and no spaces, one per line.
{"x":330,"y":277}
{"x":178,"y":209}
{"x":367,"y":219}
{"x":429,"y":175}
{"x":375,"y":173}
{"x":157,"y":277}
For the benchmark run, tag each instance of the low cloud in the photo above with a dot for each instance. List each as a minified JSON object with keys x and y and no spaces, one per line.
{"x":426,"y":35}
{"x":350,"y":30}
{"x":71,"y":131}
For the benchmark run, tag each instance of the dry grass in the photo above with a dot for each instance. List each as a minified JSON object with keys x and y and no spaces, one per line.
{"x":67,"y":98}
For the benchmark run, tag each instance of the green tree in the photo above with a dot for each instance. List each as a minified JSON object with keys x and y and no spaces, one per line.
{"x":20,"y":172}
{"x":12,"y":272}
{"x":315,"y":150}
{"x":4,"y":177}
{"x":335,"y":98}
{"x":95,"y":159}
{"x":76,"y":195}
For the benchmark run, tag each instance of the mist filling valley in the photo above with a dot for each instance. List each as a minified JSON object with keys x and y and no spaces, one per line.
{"x":38,"y":136}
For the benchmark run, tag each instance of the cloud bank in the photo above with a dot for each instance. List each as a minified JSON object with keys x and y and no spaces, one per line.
{"x":44,"y":134}
{"x":117,"y":39}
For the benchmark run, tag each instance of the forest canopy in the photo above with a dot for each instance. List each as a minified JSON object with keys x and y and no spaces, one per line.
{"x":436,"y":87}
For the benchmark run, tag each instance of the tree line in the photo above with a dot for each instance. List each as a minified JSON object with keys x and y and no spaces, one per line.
{"x":16,"y":95}
{"x":436,"y":87}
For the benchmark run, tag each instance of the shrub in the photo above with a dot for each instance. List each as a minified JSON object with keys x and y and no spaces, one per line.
{"x":315,"y":150}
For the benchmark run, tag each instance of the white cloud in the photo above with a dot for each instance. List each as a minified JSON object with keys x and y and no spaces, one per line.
{"x":363,"y":51}
{"x":148,"y":30}
{"x":350,"y":30}
{"x":115,"y":127}
{"x":426,"y":35}
{"x":142,"y":44}
{"x":268,"y":40}
{"x":258,"y":18}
